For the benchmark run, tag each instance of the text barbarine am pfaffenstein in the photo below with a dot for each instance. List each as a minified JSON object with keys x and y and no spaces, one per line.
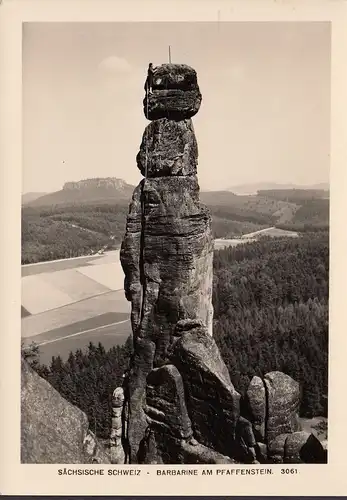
{"x":251,"y":471}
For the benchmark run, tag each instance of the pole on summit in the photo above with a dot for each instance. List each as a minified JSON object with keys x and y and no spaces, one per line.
{"x":170,"y":54}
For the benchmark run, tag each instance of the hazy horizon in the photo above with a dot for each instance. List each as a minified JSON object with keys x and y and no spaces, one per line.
{"x":265,"y":114}
{"x":303,"y":186}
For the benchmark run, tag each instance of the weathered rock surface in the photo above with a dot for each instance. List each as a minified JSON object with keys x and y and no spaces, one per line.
{"x":135,"y":393}
{"x":167,"y":259}
{"x":212,"y":401}
{"x":160,"y":447}
{"x":174,"y":76}
{"x":256,"y":399}
{"x":172,"y":104}
{"x":165,"y":402}
{"x":276,"y":448}
{"x":303,"y":447}
{"x":261,"y":452}
{"x":283,"y":399}
{"x":116,"y":447}
{"x":200,"y":454}
{"x":245,"y":443}
{"x":168,"y":148}
{"x":273,"y":405}
{"x":54,"y":431}
{"x":168,"y":265}
{"x":175,"y":94}
{"x":297,"y":447}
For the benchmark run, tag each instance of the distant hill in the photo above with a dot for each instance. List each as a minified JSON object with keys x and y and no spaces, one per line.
{"x":265,"y":209}
{"x":29,"y":197}
{"x":109,"y":189}
{"x":295,"y":195}
{"x":88,"y":216}
{"x":253,"y":188}
{"x":220,"y":198}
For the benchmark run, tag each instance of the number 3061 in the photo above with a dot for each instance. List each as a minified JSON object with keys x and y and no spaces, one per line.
{"x":289,"y":471}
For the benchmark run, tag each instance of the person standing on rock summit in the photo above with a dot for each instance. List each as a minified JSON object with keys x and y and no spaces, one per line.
{"x":149,"y":81}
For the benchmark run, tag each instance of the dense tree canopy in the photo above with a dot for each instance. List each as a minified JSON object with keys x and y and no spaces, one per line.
{"x":271,"y":312}
{"x":88,"y":378}
{"x":74,"y":229}
{"x":70,"y":231}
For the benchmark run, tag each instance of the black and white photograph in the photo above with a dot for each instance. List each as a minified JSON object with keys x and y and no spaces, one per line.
{"x":175,"y":243}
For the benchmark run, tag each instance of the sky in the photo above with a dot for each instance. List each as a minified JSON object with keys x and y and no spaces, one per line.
{"x":264,"y":117}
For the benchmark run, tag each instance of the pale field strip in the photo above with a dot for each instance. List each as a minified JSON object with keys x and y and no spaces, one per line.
{"x":221,"y":243}
{"x":113,"y":301}
{"x":86,"y":257}
{"x":50,"y":290}
{"x":47,"y":291}
{"x":270,"y":231}
{"x":75,"y":284}
{"x":247,"y":238}
{"x":59,"y":298}
{"x":109,"y":335}
{"x":108,"y":275}
{"x":39,"y":296}
{"x":83,"y":332}
{"x":111,"y":257}
{"x":63,"y":264}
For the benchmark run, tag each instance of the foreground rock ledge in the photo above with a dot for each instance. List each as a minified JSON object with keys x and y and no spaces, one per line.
{"x":53,"y":431}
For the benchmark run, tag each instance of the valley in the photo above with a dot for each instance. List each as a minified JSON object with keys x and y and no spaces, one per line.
{"x":270,"y":271}
{"x":87,"y":217}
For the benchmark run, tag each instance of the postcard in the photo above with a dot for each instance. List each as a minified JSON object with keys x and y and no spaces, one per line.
{"x":173,"y":247}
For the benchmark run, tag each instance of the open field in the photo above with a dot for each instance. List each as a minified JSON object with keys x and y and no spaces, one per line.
{"x":246,"y":238}
{"x":58,"y":265}
{"x":274,"y":232}
{"x":72,"y":313}
{"x":68,"y":303}
{"x":110,"y":329}
{"x":223,"y":243}
{"x":109,"y":336}
{"x":50,"y":285}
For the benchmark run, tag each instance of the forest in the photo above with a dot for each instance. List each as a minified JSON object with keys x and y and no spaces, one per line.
{"x":270,"y":313}
{"x":60,"y":232}
{"x":312,"y":215}
{"x":67,"y":229}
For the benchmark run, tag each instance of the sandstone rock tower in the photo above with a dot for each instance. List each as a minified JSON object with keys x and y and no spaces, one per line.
{"x":179,"y":403}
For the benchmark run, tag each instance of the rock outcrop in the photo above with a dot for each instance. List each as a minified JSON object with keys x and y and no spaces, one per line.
{"x":116,"y":447}
{"x":211,"y":398}
{"x":167,"y":250}
{"x":296,"y":447}
{"x":102,"y":182}
{"x":180,"y":405}
{"x":273,"y":405}
{"x":168,"y":148}
{"x":256,"y":399}
{"x":175,"y":94}
{"x":87,"y":191}
{"x":283,"y":399}
{"x":53,"y":431}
